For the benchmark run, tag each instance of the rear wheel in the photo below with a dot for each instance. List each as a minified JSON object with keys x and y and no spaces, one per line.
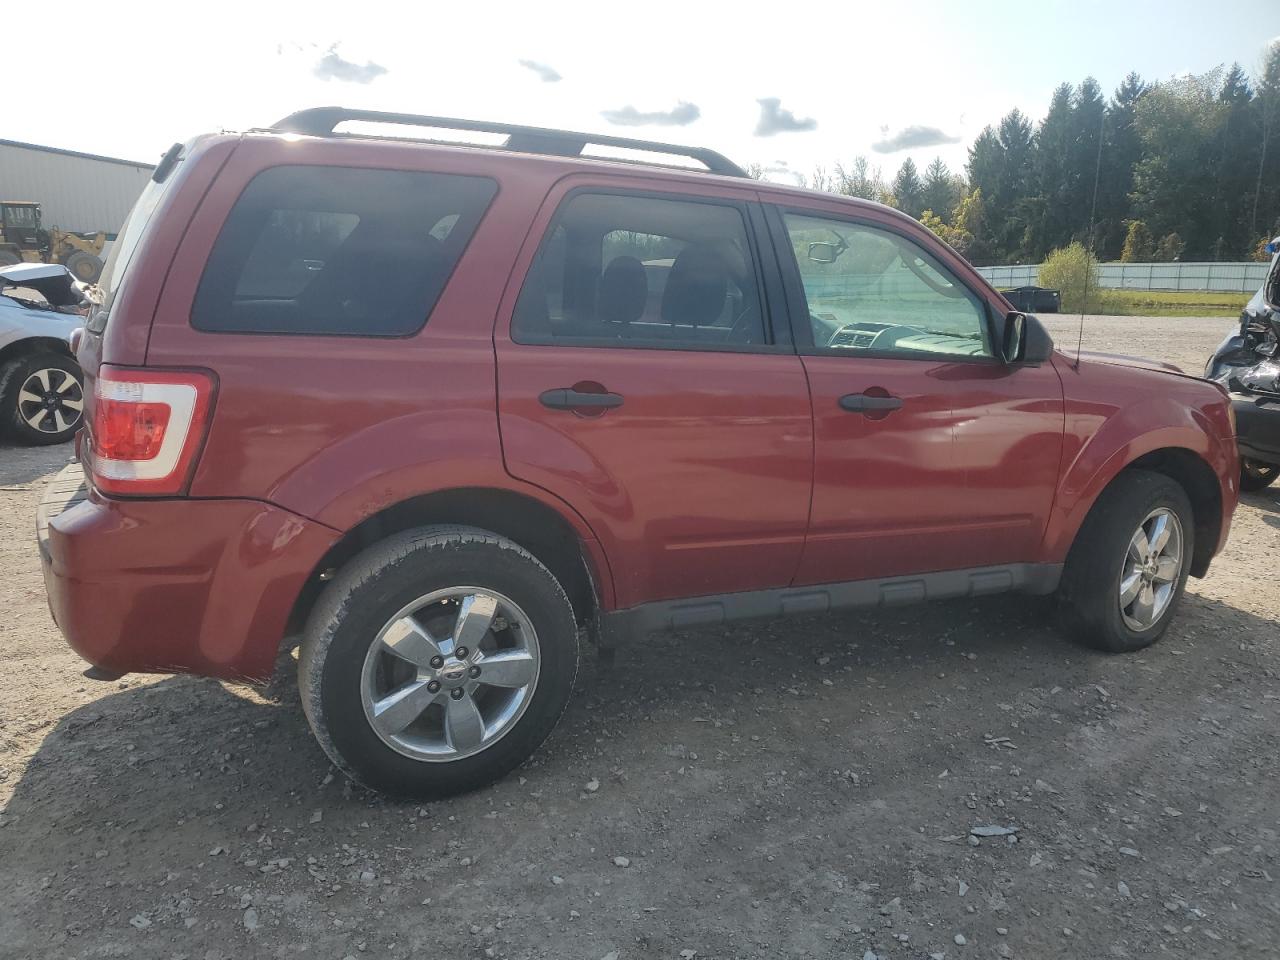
{"x":1128,"y":566}
{"x":437,"y":662}
{"x":41,"y":398}
{"x":1255,"y":475}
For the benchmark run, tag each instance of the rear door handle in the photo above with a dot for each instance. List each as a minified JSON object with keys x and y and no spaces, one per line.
{"x":861,"y":402}
{"x":566,"y":398}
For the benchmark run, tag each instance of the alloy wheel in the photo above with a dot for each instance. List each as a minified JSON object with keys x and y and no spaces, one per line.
{"x":51,"y":401}
{"x":1152,"y":564}
{"x":450,"y":674}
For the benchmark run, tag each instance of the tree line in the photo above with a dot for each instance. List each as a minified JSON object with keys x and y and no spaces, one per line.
{"x":1187,"y":168}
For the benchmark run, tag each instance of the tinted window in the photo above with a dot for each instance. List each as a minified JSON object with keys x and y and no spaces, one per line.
{"x":640,"y":271}
{"x":871,"y":289}
{"x":338,"y":251}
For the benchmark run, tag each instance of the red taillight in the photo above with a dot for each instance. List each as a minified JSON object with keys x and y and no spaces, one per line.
{"x":147,"y":428}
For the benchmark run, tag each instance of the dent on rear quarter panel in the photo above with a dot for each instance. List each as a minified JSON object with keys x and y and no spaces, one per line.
{"x":1114,"y":415}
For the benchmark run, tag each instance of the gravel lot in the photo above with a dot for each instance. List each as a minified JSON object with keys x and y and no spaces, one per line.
{"x":800,"y":789}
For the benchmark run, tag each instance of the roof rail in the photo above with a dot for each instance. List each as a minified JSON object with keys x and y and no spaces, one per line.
{"x":321,"y":121}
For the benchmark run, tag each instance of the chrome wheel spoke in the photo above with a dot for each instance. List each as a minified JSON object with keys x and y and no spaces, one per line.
{"x":1144,"y":605}
{"x":401,"y":707}
{"x":1139,"y":547}
{"x":475,"y":617}
{"x":26,"y":396}
{"x":1159,"y":536}
{"x":43,"y":377}
{"x":1167,"y":569}
{"x":58,"y":420}
{"x":67,"y":383}
{"x":37,"y":418}
{"x":463,"y":725}
{"x":1129,"y":587}
{"x":508,"y":668}
{"x":407,"y":640}
{"x":72,"y":404}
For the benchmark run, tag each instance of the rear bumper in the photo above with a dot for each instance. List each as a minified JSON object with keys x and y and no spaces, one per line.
{"x":1257,"y":427}
{"x":173,"y":586}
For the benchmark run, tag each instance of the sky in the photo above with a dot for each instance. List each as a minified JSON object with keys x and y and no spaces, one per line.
{"x":788,"y":86}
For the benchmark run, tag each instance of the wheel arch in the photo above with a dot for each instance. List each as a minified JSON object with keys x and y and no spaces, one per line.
{"x":1186,"y":467}
{"x":523,"y":519}
{"x":29,"y":345}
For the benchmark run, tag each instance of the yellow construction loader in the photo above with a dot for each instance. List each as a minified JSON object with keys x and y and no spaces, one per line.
{"x":23,"y":240}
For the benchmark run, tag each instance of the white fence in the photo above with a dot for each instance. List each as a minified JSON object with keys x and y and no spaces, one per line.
{"x":1211,"y":277}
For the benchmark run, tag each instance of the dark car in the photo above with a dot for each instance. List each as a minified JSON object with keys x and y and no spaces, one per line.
{"x":1247,"y":363}
{"x":1034,"y":299}
{"x":425,"y":410}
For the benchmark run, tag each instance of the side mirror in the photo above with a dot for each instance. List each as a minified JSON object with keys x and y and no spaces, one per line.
{"x":823,"y":252}
{"x":1023,"y":339}
{"x":1013,"y":337}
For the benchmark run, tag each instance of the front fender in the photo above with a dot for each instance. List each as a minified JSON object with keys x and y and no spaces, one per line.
{"x":1107,"y":438}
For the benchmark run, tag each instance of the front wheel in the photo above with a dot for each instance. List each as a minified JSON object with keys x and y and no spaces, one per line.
{"x":1256,"y":475}
{"x":1128,"y":566}
{"x":437,"y":661}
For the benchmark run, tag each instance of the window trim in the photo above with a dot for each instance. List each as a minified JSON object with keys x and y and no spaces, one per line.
{"x":330,"y":335}
{"x":798,"y":301}
{"x":770,"y":292}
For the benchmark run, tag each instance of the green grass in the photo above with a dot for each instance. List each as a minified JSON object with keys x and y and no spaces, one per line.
{"x":1170,"y":303}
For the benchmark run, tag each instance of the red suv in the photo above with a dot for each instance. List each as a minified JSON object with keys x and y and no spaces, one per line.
{"x":423,"y":410}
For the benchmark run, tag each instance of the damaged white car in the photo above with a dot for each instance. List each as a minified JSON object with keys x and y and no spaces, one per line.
{"x":41,"y":386}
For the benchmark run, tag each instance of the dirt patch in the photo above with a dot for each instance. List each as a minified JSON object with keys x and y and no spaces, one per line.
{"x":806,"y":788}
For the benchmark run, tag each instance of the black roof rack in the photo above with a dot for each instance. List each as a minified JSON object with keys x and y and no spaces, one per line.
{"x":320,"y":122}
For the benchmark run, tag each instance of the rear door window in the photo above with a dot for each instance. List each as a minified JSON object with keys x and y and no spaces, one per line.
{"x":334,"y":250}
{"x":643,"y":271}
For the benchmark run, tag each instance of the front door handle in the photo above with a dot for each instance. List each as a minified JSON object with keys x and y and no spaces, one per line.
{"x":567,"y":398}
{"x":862,"y":402}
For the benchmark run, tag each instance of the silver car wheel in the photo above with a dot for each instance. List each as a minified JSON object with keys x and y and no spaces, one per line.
{"x":450,"y":674}
{"x":51,"y":401}
{"x":1152,"y":565}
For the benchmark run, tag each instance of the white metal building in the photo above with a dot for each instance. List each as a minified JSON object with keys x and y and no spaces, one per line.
{"x":76,"y":191}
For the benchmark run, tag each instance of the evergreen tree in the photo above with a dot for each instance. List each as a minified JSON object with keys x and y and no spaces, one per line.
{"x":908,"y":190}
{"x":941,"y":193}
{"x":1053,"y":174}
{"x":1121,"y":150}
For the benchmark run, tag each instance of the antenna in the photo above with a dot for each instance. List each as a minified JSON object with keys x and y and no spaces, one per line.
{"x":1093,"y":209}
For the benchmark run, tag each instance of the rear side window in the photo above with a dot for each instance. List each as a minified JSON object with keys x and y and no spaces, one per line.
{"x":332,"y":250}
{"x":641,"y":271}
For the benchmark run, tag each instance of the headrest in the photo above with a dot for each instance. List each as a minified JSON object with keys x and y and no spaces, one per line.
{"x":696,"y":287}
{"x":623,"y":291}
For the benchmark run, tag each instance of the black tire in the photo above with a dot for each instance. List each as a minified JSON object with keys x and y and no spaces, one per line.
{"x":85,"y":267}
{"x":66,"y":383}
{"x":1255,"y":475}
{"x":1089,"y":601}
{"x":367,"y":593}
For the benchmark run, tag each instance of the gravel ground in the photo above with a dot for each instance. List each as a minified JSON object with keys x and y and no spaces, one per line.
{"x":799,"y":789}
